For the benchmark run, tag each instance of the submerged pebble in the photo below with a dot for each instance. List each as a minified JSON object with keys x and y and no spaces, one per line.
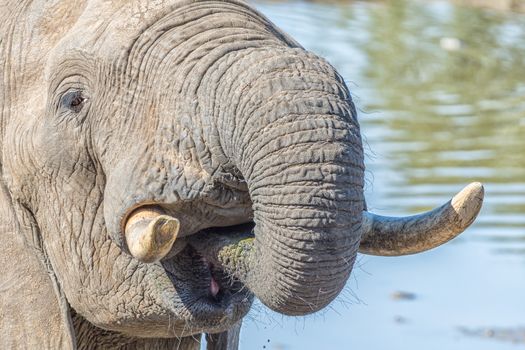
{"x":401,"y":295}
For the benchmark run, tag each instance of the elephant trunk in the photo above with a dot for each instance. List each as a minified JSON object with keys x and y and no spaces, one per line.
{"x":295,"y":140}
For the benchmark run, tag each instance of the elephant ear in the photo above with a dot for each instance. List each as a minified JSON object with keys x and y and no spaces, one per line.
{"x":33,"y":312}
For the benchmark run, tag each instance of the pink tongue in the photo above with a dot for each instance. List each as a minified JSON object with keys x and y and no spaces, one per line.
{"x":214,"y":287}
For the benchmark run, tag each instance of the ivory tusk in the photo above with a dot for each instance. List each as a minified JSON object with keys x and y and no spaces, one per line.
{"x":393,"y":236}
{"x":150,"y":235}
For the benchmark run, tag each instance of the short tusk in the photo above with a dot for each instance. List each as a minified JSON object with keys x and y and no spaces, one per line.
{"x":393,"y":236}
{"x":150,"y":235}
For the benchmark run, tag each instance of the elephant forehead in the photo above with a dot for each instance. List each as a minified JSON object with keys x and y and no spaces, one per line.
{"x":106,"y":28}
{"x":113,"y":30}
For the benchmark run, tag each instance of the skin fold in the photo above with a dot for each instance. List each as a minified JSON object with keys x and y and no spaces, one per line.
{"x":205,"y":112}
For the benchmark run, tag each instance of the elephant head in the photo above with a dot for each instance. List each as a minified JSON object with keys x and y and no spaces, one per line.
{"x":163,"y":160}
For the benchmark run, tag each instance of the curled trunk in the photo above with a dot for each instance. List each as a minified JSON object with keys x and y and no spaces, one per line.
{"x":295,"y":139}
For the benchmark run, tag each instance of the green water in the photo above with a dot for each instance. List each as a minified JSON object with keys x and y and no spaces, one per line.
{"x":441,"y":94}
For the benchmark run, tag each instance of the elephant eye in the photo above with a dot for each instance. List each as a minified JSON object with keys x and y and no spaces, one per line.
{"x":73,"y":101}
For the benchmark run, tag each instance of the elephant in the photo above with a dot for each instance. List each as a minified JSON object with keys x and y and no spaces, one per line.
{"x":164,"y":162}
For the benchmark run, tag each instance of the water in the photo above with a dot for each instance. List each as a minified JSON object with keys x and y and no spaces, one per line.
{"x":441,"y":90}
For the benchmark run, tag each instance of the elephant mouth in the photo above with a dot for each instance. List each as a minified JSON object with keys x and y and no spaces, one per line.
{"x":213,"y":298}
{"x":214,"y":284}
{"x":199,"y":291}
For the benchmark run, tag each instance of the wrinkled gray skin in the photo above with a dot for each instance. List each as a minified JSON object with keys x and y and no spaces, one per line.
{"x":203,"y":108}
